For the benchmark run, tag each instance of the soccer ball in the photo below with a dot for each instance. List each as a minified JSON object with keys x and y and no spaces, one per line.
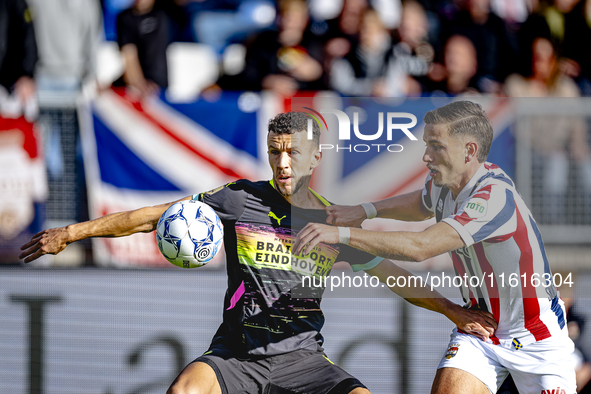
{"x":189,"y":234}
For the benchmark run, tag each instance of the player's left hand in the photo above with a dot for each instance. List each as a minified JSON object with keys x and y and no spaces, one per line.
{"x":312,"y":235}
{"x":479,"y":323}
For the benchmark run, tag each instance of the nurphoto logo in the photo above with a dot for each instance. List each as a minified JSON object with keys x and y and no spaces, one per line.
{"x":391,"y":119}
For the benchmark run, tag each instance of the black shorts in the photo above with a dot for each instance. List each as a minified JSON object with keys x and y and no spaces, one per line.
{"x":301,"y":372}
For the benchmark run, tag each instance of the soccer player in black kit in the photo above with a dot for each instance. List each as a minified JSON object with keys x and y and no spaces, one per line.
{"x":269,"y":340}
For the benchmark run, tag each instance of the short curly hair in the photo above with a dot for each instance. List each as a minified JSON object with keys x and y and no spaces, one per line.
{"x":293,"y":122}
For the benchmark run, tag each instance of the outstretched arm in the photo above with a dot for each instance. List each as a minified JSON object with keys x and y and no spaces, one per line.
{"x":478,"y":323}
{"x":120,"y":224}
{"x":397,"y":245}
{"x":407,"y":207}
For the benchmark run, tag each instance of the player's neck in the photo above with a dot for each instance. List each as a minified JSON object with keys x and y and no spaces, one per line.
{"x":464,"y":180}
{"x":304,"y":198}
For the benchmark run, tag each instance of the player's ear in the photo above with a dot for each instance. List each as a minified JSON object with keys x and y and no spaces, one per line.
{"x":471,"y":151}
{"x":316,"y":157}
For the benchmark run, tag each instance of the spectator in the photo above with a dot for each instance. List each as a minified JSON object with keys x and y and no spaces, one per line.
{"x":556,"y":17}
{"x":23,"y":185}
{"x":534,"y":26}
{"x":18,"y":50}
{"x":179,"y":18}
{"x":555,"y":139}
{"x":68,"y":33}
{"x":545,"y":79}
{"x":144,"y":36}
{"x":339,"y":33}
{"x":565,"y":25}
{"x":218,"y":23}
{"x":368,"y":68}
{"x":511,"y":11}
{"x":576,"y":55}
{"x":413,"y":54}
{"x":457,"y":75}
{"x":343,"y":31}
{"x":348,"y":22}
{"x":494,"y":48}
{"x":389,"y":12}
{"x":284,"y":60}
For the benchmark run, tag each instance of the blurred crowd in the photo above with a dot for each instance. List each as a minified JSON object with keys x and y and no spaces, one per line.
{"x":521,"y":48}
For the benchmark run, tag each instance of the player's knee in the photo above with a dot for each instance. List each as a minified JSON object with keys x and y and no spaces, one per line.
{"x":453,"y":380}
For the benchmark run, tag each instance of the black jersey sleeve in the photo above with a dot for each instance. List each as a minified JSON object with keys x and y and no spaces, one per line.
{"x":126,"y":29}
{"x":227,"y":201}
{"x":357,"y":259}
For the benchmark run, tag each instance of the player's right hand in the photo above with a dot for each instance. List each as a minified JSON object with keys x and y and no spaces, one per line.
{"x":346,"y":216}
{"x":50,"y":241}
{"x":475,"y":322}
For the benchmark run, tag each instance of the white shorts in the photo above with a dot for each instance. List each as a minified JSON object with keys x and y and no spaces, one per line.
{"x":538,"y":368}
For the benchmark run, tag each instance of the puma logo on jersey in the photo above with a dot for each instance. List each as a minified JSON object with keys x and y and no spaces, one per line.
{"x":272,"y":214}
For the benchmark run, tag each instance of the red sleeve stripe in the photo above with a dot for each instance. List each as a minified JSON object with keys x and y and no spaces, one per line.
{"x":500,"y":238}
{"x":463,"y":219}
{"x":484,"y":196}
{"x":484,"y":192}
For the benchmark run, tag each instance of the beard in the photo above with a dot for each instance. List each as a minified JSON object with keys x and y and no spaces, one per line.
{"x":301,"y":182}
{"x":440,"y":182}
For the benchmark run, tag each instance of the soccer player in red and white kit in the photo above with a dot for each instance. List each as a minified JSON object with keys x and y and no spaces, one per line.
{"x":484,"y":224}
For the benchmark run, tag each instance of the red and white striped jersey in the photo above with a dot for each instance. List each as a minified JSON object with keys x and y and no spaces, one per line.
{"x":504,"y":261}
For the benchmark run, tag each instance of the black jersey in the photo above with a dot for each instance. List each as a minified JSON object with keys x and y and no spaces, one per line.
{"x":263,"y":313}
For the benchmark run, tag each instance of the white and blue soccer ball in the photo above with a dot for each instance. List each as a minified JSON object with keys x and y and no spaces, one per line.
{"x":189,"y":234}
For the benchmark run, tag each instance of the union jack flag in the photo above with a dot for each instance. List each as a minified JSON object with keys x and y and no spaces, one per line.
{"x":148,"y":152}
